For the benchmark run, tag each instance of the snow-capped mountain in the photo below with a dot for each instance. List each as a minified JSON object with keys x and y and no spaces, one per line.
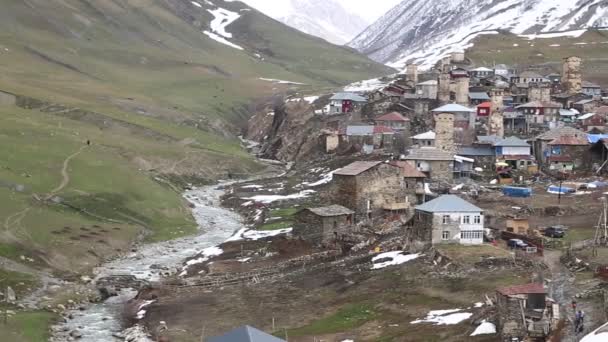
{"x":423,"y":31}
{"x":327,"y":19}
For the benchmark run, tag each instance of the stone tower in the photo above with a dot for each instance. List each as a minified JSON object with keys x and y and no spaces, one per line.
{"x":539,"y":92}
{"x":496,"y":125}
{"x":411,"y":72}
{"x":462,"y":90}
{"x":444,"y":130}
{"x":443,"y":88}
{"x":572,"y":80}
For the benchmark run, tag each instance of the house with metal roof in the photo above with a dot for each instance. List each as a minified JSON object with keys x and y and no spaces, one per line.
{"x":449,"y":219}
{"x":426,"y":139}
{"x":323,"y":225}
{"x":394,"y":120}
{"x":592,"y":89}
{"x":476,"y":98}
{"x":345,"y":102}
{"x":464,"y":117}
{"x":542,"y":149}
{"x":245,"y":334}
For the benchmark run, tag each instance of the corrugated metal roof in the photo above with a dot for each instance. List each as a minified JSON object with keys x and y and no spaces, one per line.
{"x":429,"y":83}
{"x":485,"y":105}
{"x":393,"y":116}
{"x":479,"y":96}
{"x":332,"y":210}
{"x":429,"y":153}
{"x":360,"y":130}
{"x":562,"y":131}
{"x":570,"y":141}
{"x":534,"y":288}
{"x":453,"y":108}
{"x":587,"y":84}
{"x":245,"y":334}
{"x":538,"y":104}
{"x":488,"y":139}
{"x":582,"y":102}
{"x":586,"y":116}
{"x":348,"y":96}
{"x":448,"y":203}
{"x":357,"y":168}
{"x":512,"y":142}
{"x":476,"y":151}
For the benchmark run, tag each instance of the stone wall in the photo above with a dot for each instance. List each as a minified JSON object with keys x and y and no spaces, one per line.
{"x":442,"y":170}
{"x":572,"y":80}
{"x":377,"y":187}
{"x":444,"y":129}
{"x":321,"y":230}
{"x":539,"y":93}
{"x":510,"y":322}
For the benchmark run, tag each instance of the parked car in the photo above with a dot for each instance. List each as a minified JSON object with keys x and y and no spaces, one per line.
{"x":517,"y":243}
{"x":555,"y":232}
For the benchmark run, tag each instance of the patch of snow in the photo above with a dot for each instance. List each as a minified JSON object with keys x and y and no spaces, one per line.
{"x":397,"y":258}
{"x":348,"y":340}
{"x":515,"y":45}
{"x":573,"y":34}
{"x":366,"y":85}
{"x":427,"y":189}
{"x":326,"y":178}
{"x":205,"y":255}
{"x":581,"y":43}
{"x":485,"y":328}
{"x":554,"y":45}
{"x":279,"y":81}
{"x":445,"y":317}
{"x":252,"y":186}
{"x":243,"y":259}
{"x":246,"y":204}
{"x":221,"y":19}
{"x":266,"y":199}
{"x":478,"y":304}
{"x":458,"y":187}
{"x":222,"y":40}
{"x":259,"y":234}
{"x":196,"y":4}
{"x":141,"y":313}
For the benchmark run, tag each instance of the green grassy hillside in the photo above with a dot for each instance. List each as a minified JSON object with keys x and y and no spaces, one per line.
{"x":545,"y":54}
{"x":160,"y":102}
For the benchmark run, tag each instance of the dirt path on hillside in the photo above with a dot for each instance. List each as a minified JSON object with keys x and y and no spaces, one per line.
{"x":64,"y":173}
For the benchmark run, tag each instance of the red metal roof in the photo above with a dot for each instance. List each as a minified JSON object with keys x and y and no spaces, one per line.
{"x":394,"y":116}
{"x":570,"y":140}
{"x":383,"y":129}
{"x":485,"y":105}
{"x":534,"y":288}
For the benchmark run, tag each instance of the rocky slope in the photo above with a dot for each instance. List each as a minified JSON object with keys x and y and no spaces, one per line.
{"x":423,"y":31}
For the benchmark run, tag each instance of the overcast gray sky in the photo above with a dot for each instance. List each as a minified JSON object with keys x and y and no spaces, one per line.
{"x":369,"y":10}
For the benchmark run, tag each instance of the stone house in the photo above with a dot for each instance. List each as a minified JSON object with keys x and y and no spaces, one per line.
{"x":586,"y":105}
{"x":464,"y":117}
{"x":523,"y":312}
{"x":436,"y":164}
{"x":476,"y":98}
{"x":591,"y":89}
{"x":369,"y":188}
{"x":482,"y":155}
{"x":514,"y":151}
{"x":449,"y":219}
{"x":568,"y":153}
{"x":413,"y":181}
{"x":324,"y":225}
{"x":427,"y":90}
{"x":367,"y":138}
{"x":537,"y":112}
{"x":590,"y":121}
{"x":541,"y":147}
{"x":395,"y":121}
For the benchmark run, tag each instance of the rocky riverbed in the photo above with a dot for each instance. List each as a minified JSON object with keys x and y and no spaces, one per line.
{"x":102,"y":322}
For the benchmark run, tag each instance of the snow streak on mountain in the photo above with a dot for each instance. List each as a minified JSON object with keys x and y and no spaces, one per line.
{"x":423,"y":31}
{"x":322,"y":18}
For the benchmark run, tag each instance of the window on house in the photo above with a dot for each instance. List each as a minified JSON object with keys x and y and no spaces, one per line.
{"x":445,"y":219}
{"x":477,"y":219}
{"x":466,"y":219}
{"x":445,"y":235}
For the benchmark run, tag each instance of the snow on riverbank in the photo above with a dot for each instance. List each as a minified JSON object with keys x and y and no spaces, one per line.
{"x":444,"y":317}
{"x":396,"y":258}
{"x":267,"y":199}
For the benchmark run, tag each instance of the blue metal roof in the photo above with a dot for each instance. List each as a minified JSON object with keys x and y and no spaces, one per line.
{"x":448,"y":203}
{"x":245,"y":334}
{"x":593,"y":138}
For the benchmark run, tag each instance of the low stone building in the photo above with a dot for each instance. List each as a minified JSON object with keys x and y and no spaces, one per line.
{"x":569,"y":153}
{"x":370,"y":188}
{"x":449,"y":219}
{"x":523,"y":312}
{"x":541,"y":147}
{"x":413,"y":181}
{"x":426,"y":139}
{"x":394,"y":120}
{"x":324,"y":225}
{"x":435,"y":164}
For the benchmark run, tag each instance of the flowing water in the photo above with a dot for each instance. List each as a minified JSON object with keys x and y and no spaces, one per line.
{"x":102,"y":321}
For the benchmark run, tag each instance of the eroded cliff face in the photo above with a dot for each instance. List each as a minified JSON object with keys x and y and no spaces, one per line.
{"x":288,"y":132}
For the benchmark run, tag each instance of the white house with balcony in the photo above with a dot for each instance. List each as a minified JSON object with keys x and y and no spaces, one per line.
{"x":450,"y":219}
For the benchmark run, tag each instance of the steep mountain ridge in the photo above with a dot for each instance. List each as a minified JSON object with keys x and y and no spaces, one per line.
{"x":422,"y":31}
{"x":326,"y":19}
